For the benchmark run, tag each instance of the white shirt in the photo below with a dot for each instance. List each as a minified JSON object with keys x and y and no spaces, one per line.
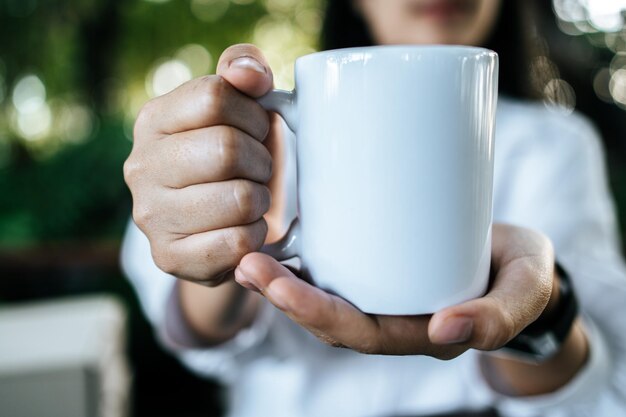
{"x":550,"y":176}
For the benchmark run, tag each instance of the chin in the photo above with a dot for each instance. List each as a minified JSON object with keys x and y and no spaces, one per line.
{"x":442,"y":39}
{"x":432,"y":36}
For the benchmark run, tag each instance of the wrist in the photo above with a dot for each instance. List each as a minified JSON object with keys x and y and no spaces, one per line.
{"x":524,"y":367}
{"x":510,"y":376}
{"x":215,"y":315}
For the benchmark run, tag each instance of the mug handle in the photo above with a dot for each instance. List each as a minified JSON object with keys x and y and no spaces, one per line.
{"x":284,"y":103}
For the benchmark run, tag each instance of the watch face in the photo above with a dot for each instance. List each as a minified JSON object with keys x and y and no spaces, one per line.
{"x":538,"y":348}
{"x":546,"y":345}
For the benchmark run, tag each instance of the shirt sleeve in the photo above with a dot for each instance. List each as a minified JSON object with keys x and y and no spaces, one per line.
{"x":158,"y":296}
{"x":559,"y":186}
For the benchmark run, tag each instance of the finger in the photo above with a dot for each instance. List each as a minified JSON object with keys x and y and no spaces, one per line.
{"x":334,"y":320}
{"x":246,"y":69}
{"x":331,"y":318}
{"x":201,"y":102}
{"x":520,"y":292}
{"x":206,"y":257}
{"x":212,"y":154}
{"x":205,"y":207}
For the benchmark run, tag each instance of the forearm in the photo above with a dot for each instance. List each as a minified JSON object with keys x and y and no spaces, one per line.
{"x":217,"y":314}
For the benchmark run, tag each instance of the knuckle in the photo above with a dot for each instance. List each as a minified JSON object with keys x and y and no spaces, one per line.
{"x":260,"y":230}
{"x":133,"y":170}
{"x":267,"y":163}
{"x":269,"y":167}
{"x":266,"y":199}
{"x":264,"y":125}
{"x":143,"y":215}
{"x":249,"y":199}
{"x":146,"y":113}
{"x":242,"y":241}
{"x":229,"y":150}
{"x":165,"y":260}
{"x":214,"y":93}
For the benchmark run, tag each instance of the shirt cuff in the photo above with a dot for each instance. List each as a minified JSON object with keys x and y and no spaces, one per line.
{"x":175,"y":333}
{"x":583,"y":390}
{"x":218,"y":361}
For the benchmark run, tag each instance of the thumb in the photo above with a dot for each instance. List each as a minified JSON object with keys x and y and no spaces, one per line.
{"x":246,"y":69}
{"x":523,"y":263}
{"x":481,"y":324}
{"x":519,"y":295}
{"x":257,"y":271}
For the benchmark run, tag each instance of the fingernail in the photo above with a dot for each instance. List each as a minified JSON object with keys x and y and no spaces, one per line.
{"x":456,"y":330}
{"x":244,"y":281}
{"x":247,"y":62}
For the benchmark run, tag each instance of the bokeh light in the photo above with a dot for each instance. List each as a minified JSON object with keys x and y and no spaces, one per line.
{"x":166,"y":76}
{"x":209,"y":10}
{"x":74,"y":122}
{"x":197,"y":58}
{"x":603,"y":23}
{"x":617,"y":81}
{"x":615,"y":41}
{"x":618,"y":62}
{"x":309,"y":20}
{"x":32,"y":117}
{"x":34,"y":125}
{"x":29,"y":94}
{"x":591,"y":15}
{"x":280,"y":6}
{"x":559,"y":96}
{"x":288,"y":31}
{"x":617,"y":86}
{"x":605,"y":15}
{"x":601,"y":85}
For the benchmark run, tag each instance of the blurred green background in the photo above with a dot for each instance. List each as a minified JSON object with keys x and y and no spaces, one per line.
{"x":73,"y":75}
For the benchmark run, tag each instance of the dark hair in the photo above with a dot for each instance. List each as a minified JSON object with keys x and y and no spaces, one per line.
{"x":511,"y":38}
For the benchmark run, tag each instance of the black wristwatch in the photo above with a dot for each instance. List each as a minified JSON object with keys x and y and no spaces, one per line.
{"x":543,"y":338}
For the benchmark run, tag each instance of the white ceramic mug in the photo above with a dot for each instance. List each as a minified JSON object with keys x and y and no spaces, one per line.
{"x":395,"y":174}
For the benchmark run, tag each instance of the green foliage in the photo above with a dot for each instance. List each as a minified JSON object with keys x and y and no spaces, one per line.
{"x":94,"y":55}
{"x":78,"y":193}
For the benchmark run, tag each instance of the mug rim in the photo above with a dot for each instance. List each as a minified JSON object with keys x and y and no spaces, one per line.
{"x":344,"y":52}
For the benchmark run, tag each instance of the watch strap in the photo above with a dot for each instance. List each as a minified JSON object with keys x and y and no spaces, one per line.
{"x":543,"y":338}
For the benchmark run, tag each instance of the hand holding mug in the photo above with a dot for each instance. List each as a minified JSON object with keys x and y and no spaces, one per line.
{"x":198,"y":169}
{"x":523,"y":270}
